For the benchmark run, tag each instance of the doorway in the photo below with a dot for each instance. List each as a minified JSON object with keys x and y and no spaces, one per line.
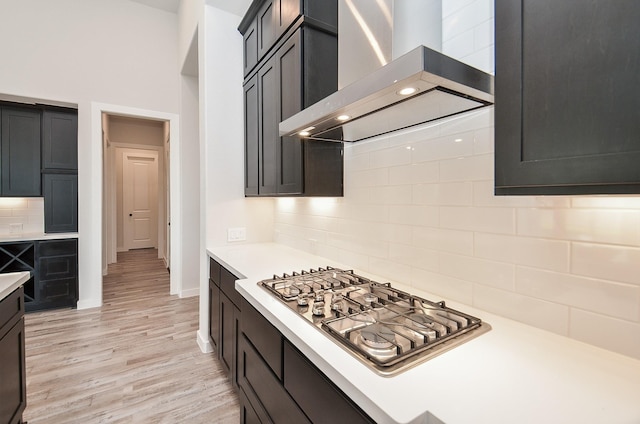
{"x":136,"y":185}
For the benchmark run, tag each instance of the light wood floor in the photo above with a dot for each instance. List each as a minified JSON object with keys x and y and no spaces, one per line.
{"x":134,"y":360}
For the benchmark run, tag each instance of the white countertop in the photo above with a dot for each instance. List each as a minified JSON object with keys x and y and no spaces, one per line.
{"x":11,"y":281}
{"x":35,"y":236}
{"x":512,"y":374}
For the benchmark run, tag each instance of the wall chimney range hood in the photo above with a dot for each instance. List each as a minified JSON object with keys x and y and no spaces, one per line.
{"x":420,"y":86}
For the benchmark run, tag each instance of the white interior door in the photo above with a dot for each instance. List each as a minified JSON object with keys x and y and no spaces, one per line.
{"x":140,"y":194}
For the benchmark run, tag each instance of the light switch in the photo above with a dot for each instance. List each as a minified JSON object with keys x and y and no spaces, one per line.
{"x":236,"y":234}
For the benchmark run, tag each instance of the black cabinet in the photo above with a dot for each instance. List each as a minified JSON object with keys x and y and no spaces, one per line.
{"x":224,"y":317}
{"x":60,"y":193}
{"x":59,"y":140}
{"x":13,"y":384}
{"x":299,"y":70}
{"x":53,"y":265}
{"x":279,"y":385}
{"x":567,"y":104}
{"x":20,"y":151}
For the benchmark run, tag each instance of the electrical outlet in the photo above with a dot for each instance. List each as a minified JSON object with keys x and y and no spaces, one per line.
{"x":236,"y":234}
{"x":15,"y":228}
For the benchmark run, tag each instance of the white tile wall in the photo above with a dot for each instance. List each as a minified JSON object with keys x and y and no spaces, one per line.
{"x":26,"y":211}
{"x":419,"y":208}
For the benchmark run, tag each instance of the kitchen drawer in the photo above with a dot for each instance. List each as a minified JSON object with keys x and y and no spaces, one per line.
{"x":321,"y":400}
{"x":248,"y":414}
{"x":258,"y":382}
{"x":214,"y":271}
{"x":59,"y":292}
{"x":58,"y":267}
{"x":11,"y":310}
{"x":57,"y":247}
{"x":265,"y":337}
{"x":228,"y":286}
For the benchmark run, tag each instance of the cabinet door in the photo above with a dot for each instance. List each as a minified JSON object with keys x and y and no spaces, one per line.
{"x":251,"y":137}
{"x":268,"y":127}
{"x":60,"y":203}
{"x":287,"y":11}
{"x":228,"y":344}
{"x":250,"y":48}
{"x":57,"y":273}
{"x":20,"y":152}
{"x":12,"y":373}
{"x":214,"y":315}
{"x":567,"y":104}
{"x":60,"y":140}
{"x":265,"y":21}
{"x":289,"y":149}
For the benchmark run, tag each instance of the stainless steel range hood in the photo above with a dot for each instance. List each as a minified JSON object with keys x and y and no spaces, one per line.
{"x":375,"y":105}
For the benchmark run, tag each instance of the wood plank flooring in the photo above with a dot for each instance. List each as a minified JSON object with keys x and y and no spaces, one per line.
{"x":133,"y":360}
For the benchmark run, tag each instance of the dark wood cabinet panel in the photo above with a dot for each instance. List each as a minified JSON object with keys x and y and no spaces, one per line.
{"x":214,"y":315}
{"x":268,"y":128}
{"x":250,"y":49}
{"x":566,"y":109}
{"x":13,"y":384}
{"x":60,"y":140}
{"x":20,"y":134}
{"x":228,"y":344}
{"x":314,"y":392}
{"x":56,"y":284}
{"x":251,"y":136}
{"x":264,"y":336}
{"x":60,"y":192}
{"x":266,"y":26}
{"x":263,"y":389}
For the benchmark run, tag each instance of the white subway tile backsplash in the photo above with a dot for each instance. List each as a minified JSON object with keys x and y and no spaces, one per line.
{"x":604,"y":297}
{"x":391,"y":195}
{"x":26,"y":211}
{"x":446,"y":147}
{"x":468,"y":16}
{"x":539,"y":313}
{"x":414,"y":256}
{"x":460,"y":45}
{"x":609,"y":333}
{"x":442,"y":285}
{"x":542,"y":253}
{"x":453,"y":241}
{"x":615,"y":263}
{"x":489,"y":220}
{"x":416,"y":173}
{"x":399,"y":155}
{"x":489,"y":273}
{"x":469,"y":168}
{"x":413,"y":215}
{"x":483,"y":141}
{"x":616,"y":226}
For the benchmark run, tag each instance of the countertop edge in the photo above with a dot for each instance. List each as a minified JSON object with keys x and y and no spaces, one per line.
{"x":15,"y":238}
{"x":11,"y":281}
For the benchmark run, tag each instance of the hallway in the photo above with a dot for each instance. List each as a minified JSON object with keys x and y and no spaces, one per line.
{"x":134,"y":360}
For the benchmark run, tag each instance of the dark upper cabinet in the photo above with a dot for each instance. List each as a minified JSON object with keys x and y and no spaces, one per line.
{"x":59,"y":140}
{"x":60,"y":192}
{"x":567,"y":109}
{"x":20,"y":151}
{"x":300,"y":70}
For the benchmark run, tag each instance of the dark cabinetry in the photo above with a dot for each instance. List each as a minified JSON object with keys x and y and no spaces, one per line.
{"x":59,"y":140}
{"x":566,"y":109}
{"x":224,"y":317}
{"x":20,"y":151}
{"x":53,"y":265}
{"x":13,"y":385}
{"x":279,"y":385}
{"x":296,"y":67}
{"x":60,"y":193}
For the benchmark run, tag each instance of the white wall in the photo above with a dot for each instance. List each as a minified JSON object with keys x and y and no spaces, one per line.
{"x":419,"y":208}
{"x":83,"y":51}
{"x":222,"y":147}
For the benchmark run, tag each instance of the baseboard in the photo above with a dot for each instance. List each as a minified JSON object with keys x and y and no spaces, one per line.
{"x":203,"y":343}
{"x":190,"y":292}
{"x":88,"y":303}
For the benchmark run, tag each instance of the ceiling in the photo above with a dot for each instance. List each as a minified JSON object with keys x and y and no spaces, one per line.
{"x":237,"y":7}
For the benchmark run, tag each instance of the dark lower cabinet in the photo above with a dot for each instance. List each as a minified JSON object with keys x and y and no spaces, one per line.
{"x":60,"y":192}
{"x":228,"y":347}
{"x":214,"y":314}
{"x":53,"y":265}
{"x":13,"y":384}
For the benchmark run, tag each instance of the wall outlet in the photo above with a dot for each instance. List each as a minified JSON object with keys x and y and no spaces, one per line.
{"x":15,"y":228}
{"x":236,"y":234}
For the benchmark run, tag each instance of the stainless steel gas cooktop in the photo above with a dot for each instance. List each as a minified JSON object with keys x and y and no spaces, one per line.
{"x":385,"y":328}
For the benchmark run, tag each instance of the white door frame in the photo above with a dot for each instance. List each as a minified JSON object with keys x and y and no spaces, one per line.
{"x":111,"y":210}
{"x":96,"y":225}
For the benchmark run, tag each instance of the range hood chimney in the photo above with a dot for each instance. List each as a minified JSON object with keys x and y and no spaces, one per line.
{"x":420,"y":86}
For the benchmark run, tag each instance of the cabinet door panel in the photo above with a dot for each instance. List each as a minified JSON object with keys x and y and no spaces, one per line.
{"x":250,"y":41}
{"x":289,"y":67}
{"x":264,"y":336}
{"x":266,"y":28}
{"x":229,"y":315}
{"x":214,"y":315}
{"x":60,"y":140}
{"x":60,"y":203}
{"x":268,"y":131}
{"x":20,"y":151}
{"x":566,"y":113}
{"x":12,"y":374}
{"x":251,"y":137}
